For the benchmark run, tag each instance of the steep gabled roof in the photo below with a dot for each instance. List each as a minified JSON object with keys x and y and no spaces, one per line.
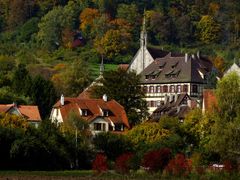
{"x":94,"y":107}
{"x":31,"y":113}
{"x":176,"y":68}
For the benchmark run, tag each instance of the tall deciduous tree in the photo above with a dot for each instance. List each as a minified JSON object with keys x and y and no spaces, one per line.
{"x":208,"y":29}
{"x":225,"y":135}
{"x":123,"y":87}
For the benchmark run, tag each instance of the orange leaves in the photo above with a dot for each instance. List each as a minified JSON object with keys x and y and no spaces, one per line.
{"x":87,"y":17}
{"x":219,"y":63}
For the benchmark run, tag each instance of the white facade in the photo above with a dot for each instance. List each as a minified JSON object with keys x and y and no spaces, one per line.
{"x":56,"y":116}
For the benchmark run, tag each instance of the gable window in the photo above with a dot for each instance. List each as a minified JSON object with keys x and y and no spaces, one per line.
{"x":84,"y":112}
{"x":194,"y":88}
{"x":185,"y":88}
{"x":105,"y":113}
{"x":178,"y":88}
{"x":172,"y":88}
{"x":165,"y":89}
{"x":99,"y":126}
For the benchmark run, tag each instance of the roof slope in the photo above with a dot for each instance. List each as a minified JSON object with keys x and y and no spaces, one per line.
{"x":176,"y":68}
{"x":31,"y":113}
{"x":93,"y":106}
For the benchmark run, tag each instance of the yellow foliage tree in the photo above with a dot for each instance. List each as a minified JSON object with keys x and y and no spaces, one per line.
{"x":13,"y":121}
{"x":219,"y":64}
{"x":87,"y":18}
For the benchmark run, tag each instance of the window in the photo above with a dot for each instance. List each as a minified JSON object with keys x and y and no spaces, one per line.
{"x":194,"y":88}
{"x":178,"y":88}
{"x":152,"y":103}
{"x":145,"y":89}
{"x":172,"y":89}
{"x":158,"y":89}
{"x":119,"y":127}
{"x":185,"y":88}
{"x":151,"y":89}
{"x":105,"y":113}
{"x":146,"y":77}
{"x":165,"y":89}
{"x":158,"y":103}
{"x":84,"y":112}
{"x":99,"y":126}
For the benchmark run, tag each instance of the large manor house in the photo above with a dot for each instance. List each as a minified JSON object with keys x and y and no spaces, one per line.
{"x":167,"y":77}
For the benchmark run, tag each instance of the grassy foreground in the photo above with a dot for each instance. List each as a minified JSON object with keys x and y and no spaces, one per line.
{"x":110,"y":175}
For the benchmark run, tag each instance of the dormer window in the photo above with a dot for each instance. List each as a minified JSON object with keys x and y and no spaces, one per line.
{"x":105,"y":113}
{"x":83,"y":112}
{"x":146,"y":77}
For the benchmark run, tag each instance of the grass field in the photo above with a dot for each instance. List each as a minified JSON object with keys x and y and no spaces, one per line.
{"x":95,"y":68}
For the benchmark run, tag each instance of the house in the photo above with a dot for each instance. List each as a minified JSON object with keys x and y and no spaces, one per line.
{"x":101,"y":114}
{"x":177,"y":105}
{"x":30,"y":113}
{"x":234,"y":68}
{"x":166,"y":73}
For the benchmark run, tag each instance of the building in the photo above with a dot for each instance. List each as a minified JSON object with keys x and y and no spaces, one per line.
{"x":165,"y":74}
{"x":234,"y":68}
{"x":30,"y":113}
{"x":177,"y":105}
{"x":101,"y":114}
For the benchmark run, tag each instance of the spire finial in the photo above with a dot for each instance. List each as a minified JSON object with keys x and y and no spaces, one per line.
{"x":143,"y":38}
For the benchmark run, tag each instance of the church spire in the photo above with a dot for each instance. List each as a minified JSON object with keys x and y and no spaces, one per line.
{"x":143,"y":37}
{"x":101,"y":67}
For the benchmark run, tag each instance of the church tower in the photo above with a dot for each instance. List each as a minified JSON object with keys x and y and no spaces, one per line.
{"x":143,"y":58}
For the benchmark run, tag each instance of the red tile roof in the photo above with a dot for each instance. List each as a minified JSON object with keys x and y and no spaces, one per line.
{"x":31,"y":113}
{"x":209,"y":99}
{"x":117,"y":113}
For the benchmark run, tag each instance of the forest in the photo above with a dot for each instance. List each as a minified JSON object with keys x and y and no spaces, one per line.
{"x":54,"y":39}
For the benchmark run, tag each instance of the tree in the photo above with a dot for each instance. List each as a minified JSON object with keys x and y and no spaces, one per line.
{"x":73,"y":79}
{"x":126,"y":91}
{"x":208,"y":29}
{"x":225,"y":136}
{"x":43,"y":94}
{"x":50,"y":29}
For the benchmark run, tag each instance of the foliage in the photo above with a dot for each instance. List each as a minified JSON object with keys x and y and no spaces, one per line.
{"x":209,"y":29}
{"x":72,"y":80}
{"x":100,"y":163}
{"x":179,"y":166}
{"x":147,"y":133}
{"x":123,"y":163}
{"x":126,"y":92}
{"x":225,"y":131}
{"x":13,"y":121}
{"x":156,"y":160}
{"x":112,"y":145}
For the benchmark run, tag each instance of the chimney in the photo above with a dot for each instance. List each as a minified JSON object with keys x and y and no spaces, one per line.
{"x":186,"y":57}
{"x":105,"y":97}
{"x":62,"y":100}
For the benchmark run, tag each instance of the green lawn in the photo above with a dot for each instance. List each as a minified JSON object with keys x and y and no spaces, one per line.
{"x":95,"y":68}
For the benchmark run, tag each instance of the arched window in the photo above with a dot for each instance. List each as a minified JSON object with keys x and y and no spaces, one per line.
{"x":165,"y":89}
{"x":158,"y":88}
{"x":172,"y":88}
{"x":178,"y":88}
{"x":151,"y":89}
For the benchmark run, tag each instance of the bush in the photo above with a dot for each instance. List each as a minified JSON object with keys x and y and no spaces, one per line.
{"x":123,"y":163}
{"x":112,"y":145}
{"x":156,"y":160}
{"x":100,"y":163}
{"x":179,"y":166}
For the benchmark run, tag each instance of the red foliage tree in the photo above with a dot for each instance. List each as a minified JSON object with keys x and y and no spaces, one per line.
{"x":156,"y":160}
{"x":123,"y":162}
{"x":100,"y":163}
{"x":179,"y":166}
{"x":228,"y":167}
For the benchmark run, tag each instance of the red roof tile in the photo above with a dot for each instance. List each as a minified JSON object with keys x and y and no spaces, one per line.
{"x":117,"y":113}
{"x":31,"y":113}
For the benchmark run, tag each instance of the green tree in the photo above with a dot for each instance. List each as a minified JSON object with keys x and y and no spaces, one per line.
{"x":225,"y":136}
{"x":209,"y":30}
{"x":43,"y":94}
{"x":126,"y":91}
{"x":50,"y":29}
{"x":74,"y":79}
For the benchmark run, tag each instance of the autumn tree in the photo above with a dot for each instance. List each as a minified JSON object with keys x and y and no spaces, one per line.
{"x":208,"y":29}
{"x":126,"y":91}
{"x":225,"y":134}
